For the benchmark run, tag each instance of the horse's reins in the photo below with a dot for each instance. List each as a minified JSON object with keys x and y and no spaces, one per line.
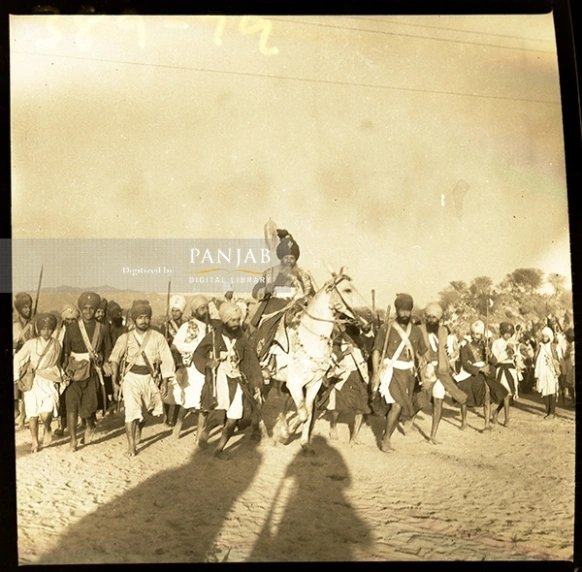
{"x":335,"y":284}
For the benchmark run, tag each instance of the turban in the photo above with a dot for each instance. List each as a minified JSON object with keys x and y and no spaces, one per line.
{"x":113,"y":309}
{"x":69,"y":312}
{"x":404,"y":302}
{"x":228,"y":311}
{"x":197,"y":301}
{"x":478,"y":327}
{"x":547,"y":331}
{"x":89,"y":299}
{"x":178,"y":302}
{"x":434,"y":309}
{"x":506,"y":328}
{"x":287,"y":245}
{"x":22,"y":299}
{"x":140,"y":307}
{"x":103,"y":305}
{"x":45,"y":320}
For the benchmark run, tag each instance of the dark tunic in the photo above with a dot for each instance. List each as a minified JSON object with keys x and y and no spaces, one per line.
{"x":474,"y":386}
{"x":353,"y":396}
{"x":81,"y":397}
{"x":403,"y":381}
{"x":251,"y":375}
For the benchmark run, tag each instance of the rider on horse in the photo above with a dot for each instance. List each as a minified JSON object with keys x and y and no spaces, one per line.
{"x":282,"y":288}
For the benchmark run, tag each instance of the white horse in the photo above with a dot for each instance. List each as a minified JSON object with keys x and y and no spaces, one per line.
{"x":303,"y":367}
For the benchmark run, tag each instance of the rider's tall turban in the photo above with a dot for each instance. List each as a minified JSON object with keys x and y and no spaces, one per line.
{"x":287,"y":245}
{"x":229,"y":311}
{"x":89,"y":299}
{"x":404,"y":302}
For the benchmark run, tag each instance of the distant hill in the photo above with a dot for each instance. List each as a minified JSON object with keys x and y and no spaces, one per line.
{"x":65,"y":288}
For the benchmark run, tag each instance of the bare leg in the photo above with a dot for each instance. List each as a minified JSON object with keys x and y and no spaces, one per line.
{"x":506,"y":401}
{"x":437,"y":411}
{"x":463,"y":416}
{"x":72,"y":424}
{"x":179,"y":421}
{"x":227,"y":432}
{"x":47,"y":437}
{"x":333,"y":425}
{"x":553,"y":406}
{"x":391,"y":422}
{"x":138,"y":428}
{"x":358,"y":417}
{"x":21,"y":414}
{"x":89,"y":429}
{"x":33,"y":426}
{"x":546,"y":399}
{"x":202,"y":437}
{"x":130,"y":434}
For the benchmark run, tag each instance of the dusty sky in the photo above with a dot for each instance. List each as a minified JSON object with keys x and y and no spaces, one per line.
{"x":356,"y":133}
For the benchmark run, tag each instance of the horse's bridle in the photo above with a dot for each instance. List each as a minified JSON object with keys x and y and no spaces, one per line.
{"x":337,"y":280}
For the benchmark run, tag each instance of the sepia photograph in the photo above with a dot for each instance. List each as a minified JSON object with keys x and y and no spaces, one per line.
{"x":291,"y":287}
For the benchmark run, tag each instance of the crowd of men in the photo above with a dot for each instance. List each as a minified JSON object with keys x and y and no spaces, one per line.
{"x":214,"y":356}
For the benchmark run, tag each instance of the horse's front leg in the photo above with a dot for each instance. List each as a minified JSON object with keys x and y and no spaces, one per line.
{"x":284,"y":426}
{"x":310,"y":396}
{"x":296,"y":392}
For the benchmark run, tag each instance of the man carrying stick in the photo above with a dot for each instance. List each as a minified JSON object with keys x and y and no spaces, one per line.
{"x":396,"y":348}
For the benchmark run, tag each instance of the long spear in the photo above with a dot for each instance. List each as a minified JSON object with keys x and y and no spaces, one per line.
{"x":168,"y":311}
{"x":37,"y":293}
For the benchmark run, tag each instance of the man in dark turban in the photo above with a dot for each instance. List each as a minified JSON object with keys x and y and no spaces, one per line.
{"x":101,"y":311}
{"x":22,"y":330}
{"x":113,"y":329}
{"x":146,"y":361}
{"x":396,"y":348}
{"x":83,"y":351}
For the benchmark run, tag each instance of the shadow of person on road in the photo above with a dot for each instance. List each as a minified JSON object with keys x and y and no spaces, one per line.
{"x":296,"y":511}
{"x":174,"y":516}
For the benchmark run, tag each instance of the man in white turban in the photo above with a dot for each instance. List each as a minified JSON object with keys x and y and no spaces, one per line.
{"x":475,"y":377}
{"x":169,"y":329}
{"x":189,"y":380}
{"x":547,"y":371}
{"x":233,"y":379}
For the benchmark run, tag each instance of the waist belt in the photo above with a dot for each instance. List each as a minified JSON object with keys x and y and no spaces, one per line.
{"x":81,"y":356}
{"x":508,"y":369}
{"x":400,"y":364}
{"x":140,"y":369}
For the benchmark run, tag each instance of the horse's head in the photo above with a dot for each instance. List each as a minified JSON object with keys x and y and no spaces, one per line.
{"x":341,"y":293}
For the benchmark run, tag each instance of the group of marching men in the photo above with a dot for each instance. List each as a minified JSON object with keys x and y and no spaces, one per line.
{"x":220,"y":361}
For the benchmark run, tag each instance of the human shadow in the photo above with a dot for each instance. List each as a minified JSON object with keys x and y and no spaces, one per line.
{"x":311,"y":482}
{"x":174,"y":516}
